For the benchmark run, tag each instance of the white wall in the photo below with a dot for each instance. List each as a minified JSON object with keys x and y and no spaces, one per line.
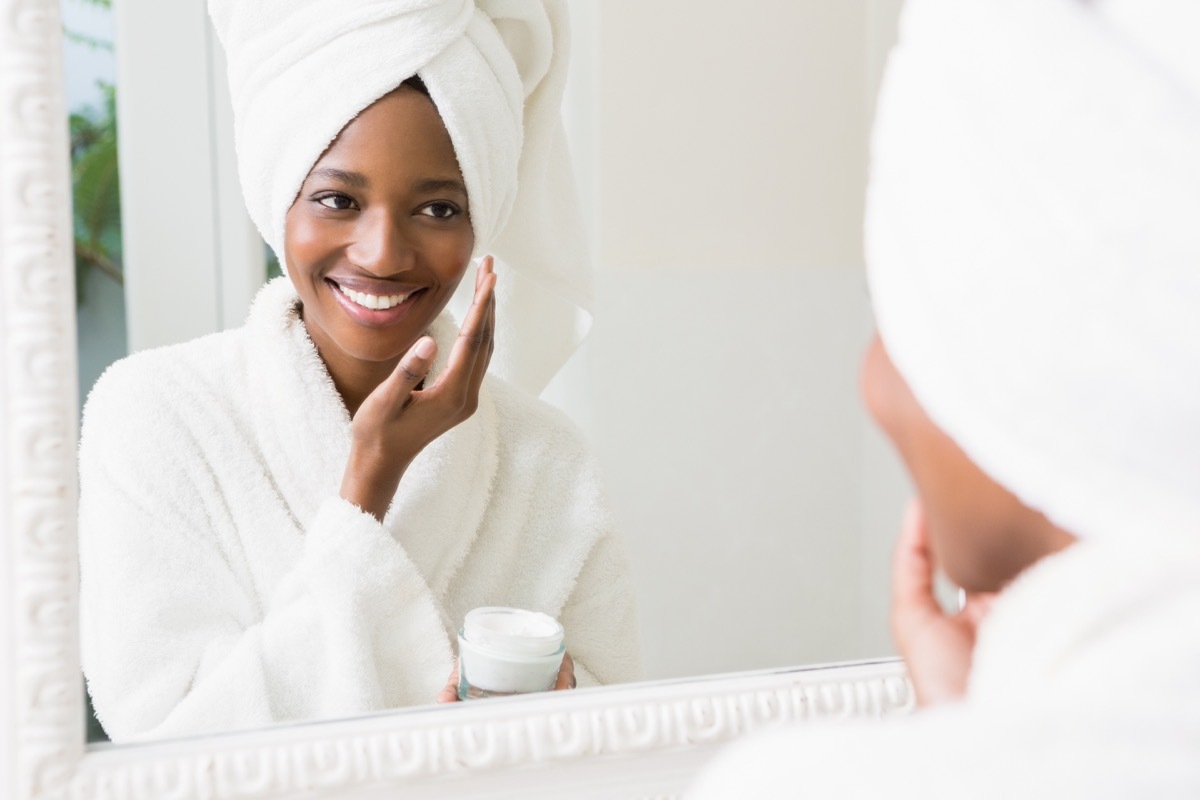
{"x":728,"y":423}
{"x":729,"y":155}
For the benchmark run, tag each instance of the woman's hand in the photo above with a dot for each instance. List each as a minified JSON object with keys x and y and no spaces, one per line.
{"x":936,"y":646}
{"x":565,"y":680}
{"x":566,"y":674}
{"x":396,"y":421}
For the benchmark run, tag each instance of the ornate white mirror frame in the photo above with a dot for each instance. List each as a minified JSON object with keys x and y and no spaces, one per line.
{"x":631,"y":741}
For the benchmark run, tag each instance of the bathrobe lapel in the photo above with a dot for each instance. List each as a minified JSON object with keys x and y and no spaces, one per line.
{"x":304,"y":428}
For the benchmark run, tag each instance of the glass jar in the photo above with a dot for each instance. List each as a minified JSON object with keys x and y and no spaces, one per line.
{"x":506,"y":651}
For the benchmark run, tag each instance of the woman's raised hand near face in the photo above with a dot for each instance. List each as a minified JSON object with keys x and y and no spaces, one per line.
{"x":936,"y":646}
{"x":397,"y":421}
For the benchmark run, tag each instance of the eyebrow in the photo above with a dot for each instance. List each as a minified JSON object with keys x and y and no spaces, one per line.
{"x":355,"y":179}
{"x":359,"y":181}
{"x":439,"y":185}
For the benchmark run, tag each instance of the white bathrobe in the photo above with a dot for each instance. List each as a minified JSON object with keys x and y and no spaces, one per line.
{"x":225,"y":584}
{"x":1085,"y":684}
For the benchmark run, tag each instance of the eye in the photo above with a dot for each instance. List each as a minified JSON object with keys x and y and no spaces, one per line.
{"x":336,"y":202}
{"x":440,"y":210}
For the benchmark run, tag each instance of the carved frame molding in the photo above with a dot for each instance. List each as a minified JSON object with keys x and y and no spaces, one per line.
{"x":496,"y":744}
{"x":658,"y":733}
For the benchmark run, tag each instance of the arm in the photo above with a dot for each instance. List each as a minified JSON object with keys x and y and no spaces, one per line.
{"x":600,"y":618}
{"x":175,"y":638}
{"x":599,"y":614}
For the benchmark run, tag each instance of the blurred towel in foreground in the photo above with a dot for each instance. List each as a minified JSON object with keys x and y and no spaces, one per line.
{"x":1034,"y":254}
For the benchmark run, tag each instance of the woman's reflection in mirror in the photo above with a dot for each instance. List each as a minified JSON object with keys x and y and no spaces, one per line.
{"x":289,"y":520}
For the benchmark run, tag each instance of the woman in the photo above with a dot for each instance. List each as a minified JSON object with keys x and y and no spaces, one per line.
{"x":1034,"y":264}
{"x":290,"y":520}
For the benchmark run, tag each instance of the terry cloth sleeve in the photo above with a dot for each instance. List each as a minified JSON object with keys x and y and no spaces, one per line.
{"x":601,"y":620}
{"x":598,"y":614}
{"x":177,"y":638}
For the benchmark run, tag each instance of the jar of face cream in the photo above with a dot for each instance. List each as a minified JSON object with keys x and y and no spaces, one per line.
{"x":503,"y":651}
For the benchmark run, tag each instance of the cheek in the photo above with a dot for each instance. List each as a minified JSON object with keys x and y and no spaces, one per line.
{"x":870,"y":378}
{"x":299,"y":240}
{"x":974,"y":524}
{"x":309,"y":241}
{"x":451,"y":256}
{"x":886,"y":397}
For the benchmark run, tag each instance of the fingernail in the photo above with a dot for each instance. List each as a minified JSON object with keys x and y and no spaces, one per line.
{"x":425,"y":348}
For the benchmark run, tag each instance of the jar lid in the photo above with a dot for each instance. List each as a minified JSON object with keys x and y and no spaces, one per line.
{"x":513,"y":630}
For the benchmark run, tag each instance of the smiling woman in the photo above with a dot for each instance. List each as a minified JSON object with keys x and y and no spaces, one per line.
{"x":378,"y":239}
{"x":289,"y":520}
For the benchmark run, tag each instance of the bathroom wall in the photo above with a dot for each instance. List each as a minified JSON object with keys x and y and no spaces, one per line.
{"x":728,"y":155}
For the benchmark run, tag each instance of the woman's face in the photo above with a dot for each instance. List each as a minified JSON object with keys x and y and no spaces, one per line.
{"x":379,"y":236}
{"x":981,"y":535}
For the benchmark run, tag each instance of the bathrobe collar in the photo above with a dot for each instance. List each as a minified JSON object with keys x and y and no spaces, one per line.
{"x":305,"y":433}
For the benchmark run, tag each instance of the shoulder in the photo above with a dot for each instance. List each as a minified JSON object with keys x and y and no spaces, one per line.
{"x":947,"y":752}
{"x":144,"y":393}
{"x":825,"y":758}
{"x":163,"y":372}
{"x":206,"y":366}
{"x":528,"y":422}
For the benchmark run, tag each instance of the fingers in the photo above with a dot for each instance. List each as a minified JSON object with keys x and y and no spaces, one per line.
{"x":472,"y":349}
{"x":566,"y":674}
{"x":936,"y":646}
{"x":915,"y":606}
{"x":411,"y":370}
{"x":977,"y":606}
{"x":913,"y":596}
{"x":480,"y":367}
{"x":449,"y":692}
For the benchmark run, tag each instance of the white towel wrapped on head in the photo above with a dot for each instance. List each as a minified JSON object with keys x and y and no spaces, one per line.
{"x":300,"y":70}
{"x":1033,"y":241}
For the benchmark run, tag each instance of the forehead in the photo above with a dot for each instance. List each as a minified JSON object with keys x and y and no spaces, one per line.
{"x":400,"y":132}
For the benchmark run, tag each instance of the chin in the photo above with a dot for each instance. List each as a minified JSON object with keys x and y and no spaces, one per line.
{"x":378,"y":354}
{"x":981,"y":569}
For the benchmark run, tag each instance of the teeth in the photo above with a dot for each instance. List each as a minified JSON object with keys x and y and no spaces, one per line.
{"x":373,"y":301}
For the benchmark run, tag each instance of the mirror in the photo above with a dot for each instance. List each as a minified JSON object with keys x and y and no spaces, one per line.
{"x":622,"y":741}
{"x":721,"y":160}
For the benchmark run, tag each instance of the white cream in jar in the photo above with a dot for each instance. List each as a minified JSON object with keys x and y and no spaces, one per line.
{"x":505,"y":651}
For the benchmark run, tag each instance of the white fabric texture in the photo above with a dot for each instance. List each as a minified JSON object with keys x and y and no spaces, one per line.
{"x":1034,"y":252}
{"x":300,"y":70}
{"x":225,"y":584}
{"x":1034,"y":261}
{"x":1084,"y":686}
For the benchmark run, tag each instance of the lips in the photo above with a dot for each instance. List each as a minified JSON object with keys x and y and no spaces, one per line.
{"x":374,"y":303}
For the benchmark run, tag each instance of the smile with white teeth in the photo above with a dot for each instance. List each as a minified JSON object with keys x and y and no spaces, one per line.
{"x":373,"y":301}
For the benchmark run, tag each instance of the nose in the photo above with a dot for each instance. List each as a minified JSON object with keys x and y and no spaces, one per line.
{"x":382,"y":245}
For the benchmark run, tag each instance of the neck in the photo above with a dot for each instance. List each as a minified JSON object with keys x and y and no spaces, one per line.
{"x":354,"y":378}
